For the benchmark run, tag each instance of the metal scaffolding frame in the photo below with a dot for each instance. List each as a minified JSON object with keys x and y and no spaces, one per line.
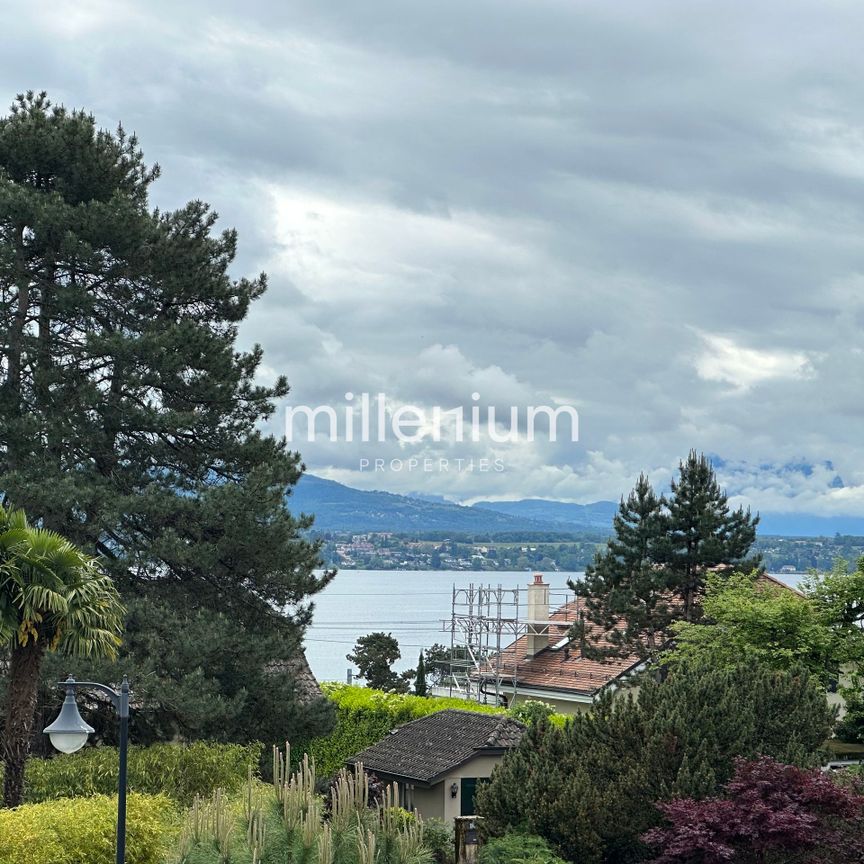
{"x":484,"y":620}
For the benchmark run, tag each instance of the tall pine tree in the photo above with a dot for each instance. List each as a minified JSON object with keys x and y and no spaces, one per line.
{"x":703,"y":533}
{"x":653,"y":570}
{"x":131,"y":421}
{"x":628,"y":604}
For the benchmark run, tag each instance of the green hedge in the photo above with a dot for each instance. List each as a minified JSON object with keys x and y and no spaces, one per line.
{"x":364,"y":716}
{"x":180,"y":771}
{"x":518,"y":849}
{"x":82,"y":831}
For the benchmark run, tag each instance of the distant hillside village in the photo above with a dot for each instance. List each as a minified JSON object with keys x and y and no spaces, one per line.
{"x":389,"y":551}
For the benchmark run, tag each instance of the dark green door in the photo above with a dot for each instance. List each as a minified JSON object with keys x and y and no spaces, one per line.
{"x":469,"y":786}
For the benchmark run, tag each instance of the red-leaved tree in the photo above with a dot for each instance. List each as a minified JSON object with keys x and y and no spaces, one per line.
{"x":771,"y":813}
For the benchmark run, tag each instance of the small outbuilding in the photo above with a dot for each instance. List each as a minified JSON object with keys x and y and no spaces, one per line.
{"x":438,"y":760}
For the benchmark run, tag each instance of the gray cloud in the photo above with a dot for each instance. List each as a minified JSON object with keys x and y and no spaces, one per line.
{"x":650,"y":211}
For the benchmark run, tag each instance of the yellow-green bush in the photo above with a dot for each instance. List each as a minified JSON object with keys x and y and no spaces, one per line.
{"x":82,"y":830}
{"x":181,"y":771}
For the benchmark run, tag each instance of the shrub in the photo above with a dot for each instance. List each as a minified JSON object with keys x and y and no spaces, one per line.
{"x":518,"y":849}
{"x":438,"y":839}
{"x":82,"y":830}
{"x":769,"y":813}
{"x":532,"y":711}
{"x":179,"y":771}
{"x":589,"y":789}
{"x":288,"y":822}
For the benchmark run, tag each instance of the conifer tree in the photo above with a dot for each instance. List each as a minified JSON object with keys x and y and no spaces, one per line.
{"x":703,"y":533}
{"x":590,"y":788}
{"x":131,"y":422}
{"x":654,"y":569}
{"x":420,"y":686}
{"x":627,"y":584}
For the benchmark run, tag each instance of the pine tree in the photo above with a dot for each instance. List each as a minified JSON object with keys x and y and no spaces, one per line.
{"x":131,"y":421}
{"x":627,"y":584}
{"x":654,"y":569}
{"x":703,"y":533}
{"x":420,"y":686}
{"x":591,"y":787}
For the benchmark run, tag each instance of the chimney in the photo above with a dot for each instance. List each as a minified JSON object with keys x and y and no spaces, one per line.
{"x":538,"y":616}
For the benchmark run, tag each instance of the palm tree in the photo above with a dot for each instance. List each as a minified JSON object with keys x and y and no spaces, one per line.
{"x":53,"y":597}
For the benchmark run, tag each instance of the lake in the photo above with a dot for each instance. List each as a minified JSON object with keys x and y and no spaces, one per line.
{"x":409,"y":604}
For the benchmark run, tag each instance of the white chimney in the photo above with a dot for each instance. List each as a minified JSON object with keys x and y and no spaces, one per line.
{"x":538,"y":616}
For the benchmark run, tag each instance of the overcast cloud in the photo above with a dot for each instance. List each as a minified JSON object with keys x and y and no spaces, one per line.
{"x":651,"y":211}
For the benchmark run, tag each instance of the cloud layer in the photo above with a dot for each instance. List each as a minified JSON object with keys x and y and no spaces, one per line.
{"x":651,"y":212}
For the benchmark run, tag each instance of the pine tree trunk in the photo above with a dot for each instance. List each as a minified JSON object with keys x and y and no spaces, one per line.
{"x":23,"y":689}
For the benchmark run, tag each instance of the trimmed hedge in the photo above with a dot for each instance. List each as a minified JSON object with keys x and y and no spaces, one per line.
{"x":518,"y":849}
{"x":365,"y":716}
{"x":82,"y":831}
{"x":181,"y":771}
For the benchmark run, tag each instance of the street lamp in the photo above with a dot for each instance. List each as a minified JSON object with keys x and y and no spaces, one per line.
{"x":69,"y":732}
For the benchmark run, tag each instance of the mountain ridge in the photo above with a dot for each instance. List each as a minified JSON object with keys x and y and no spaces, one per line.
{"x":341,"y":508}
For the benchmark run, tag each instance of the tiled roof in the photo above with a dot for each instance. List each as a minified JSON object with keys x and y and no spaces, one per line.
{"x":564,"y":670}
{"x":306,"y":685}
{"x":424,"y":749}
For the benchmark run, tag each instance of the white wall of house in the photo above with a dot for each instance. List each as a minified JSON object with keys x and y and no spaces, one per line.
{"x":562,"y":705}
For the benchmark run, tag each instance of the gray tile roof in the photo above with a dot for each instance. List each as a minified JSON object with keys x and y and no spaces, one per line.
{"x":425,"y":749}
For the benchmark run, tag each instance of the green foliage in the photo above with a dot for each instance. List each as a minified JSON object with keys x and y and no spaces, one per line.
{"x":626,"y":582}
{"x":132,"y":422}
{"x":364,"y":716}
{"x":288,"y":823}
{"x":179,"y":771}
{"x":53,"y":592}
{"x":839,"y":593}
{"x":374,"y":655}
{"x":214,"y":683}
{"x":532,"y":711}
{"x":438,"y":839}
{"x":518,"y":849}
{"x":53,"y":597}
{"x":703,"y":532}
{"x":82,"y":831}
{"x":589,"y":788}
{"x":437,"y":660}
{"x":420,"y":686}
{"x":744,"y":616}
{"x":653,"y":570}
{"x":851,"y":728}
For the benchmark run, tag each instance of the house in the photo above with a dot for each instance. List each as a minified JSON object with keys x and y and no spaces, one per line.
{"x":544,"y":663}
{"x":437,"y":761}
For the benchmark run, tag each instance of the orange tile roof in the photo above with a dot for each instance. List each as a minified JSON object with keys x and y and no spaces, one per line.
{"x":564,"y":669}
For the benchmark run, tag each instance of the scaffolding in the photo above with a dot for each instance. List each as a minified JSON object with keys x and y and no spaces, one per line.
{"x":484,"y":621}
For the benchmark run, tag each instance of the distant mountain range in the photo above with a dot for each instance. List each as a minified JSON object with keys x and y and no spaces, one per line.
{"x":340,"y":508}
{"x":596,"y":515}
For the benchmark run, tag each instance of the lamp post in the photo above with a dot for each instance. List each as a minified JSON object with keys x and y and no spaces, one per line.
{"x":69,"y":732}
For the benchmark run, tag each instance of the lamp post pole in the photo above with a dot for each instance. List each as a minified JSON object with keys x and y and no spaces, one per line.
{"x":123,"y":711}
{"x":69,"y":733}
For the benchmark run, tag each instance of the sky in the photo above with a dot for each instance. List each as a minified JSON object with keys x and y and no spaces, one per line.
{"x":651,"y":212}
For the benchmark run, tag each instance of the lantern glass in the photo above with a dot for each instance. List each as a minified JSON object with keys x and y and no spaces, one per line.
{"x":69,"y":732}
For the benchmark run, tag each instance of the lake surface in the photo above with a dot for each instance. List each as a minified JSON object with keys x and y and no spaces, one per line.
{"x":409,"y":604}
